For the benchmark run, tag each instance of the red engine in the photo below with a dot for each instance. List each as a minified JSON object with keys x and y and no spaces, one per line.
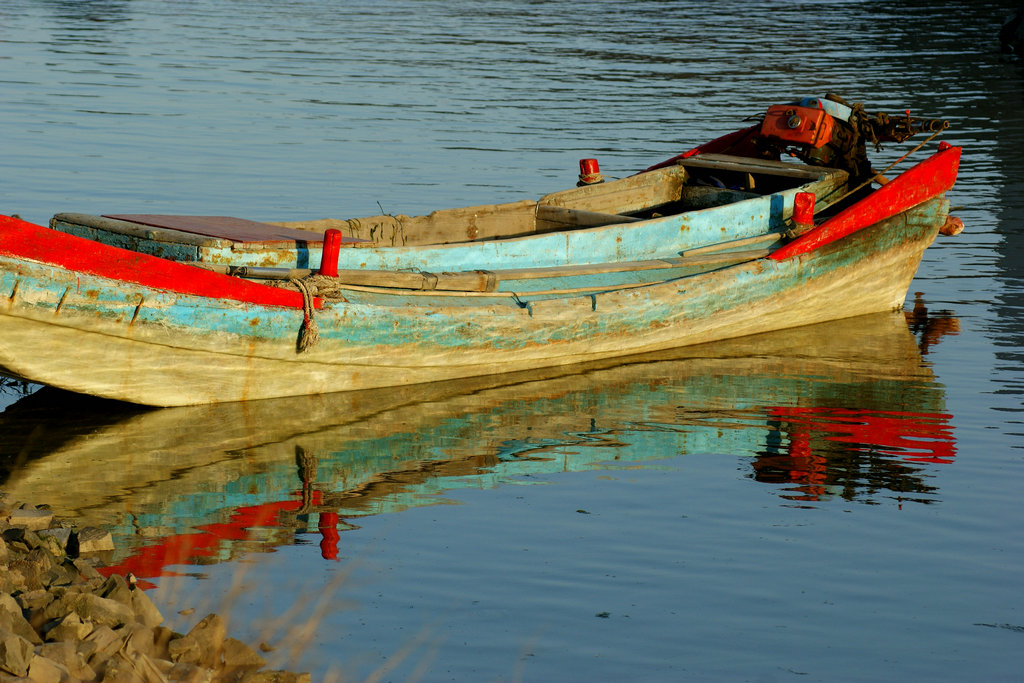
{"x":798,"y":125}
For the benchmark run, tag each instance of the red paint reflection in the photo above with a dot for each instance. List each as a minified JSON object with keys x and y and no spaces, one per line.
{"x":914,"y":437}
{"x":824,"y":449}
{"x":209,"y":540}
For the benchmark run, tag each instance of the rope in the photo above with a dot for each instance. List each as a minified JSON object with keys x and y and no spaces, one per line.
{"x":887,"y":168}
{"x":309,"y":331}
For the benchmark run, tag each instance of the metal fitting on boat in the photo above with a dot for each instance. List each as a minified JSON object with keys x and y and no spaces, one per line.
{"x":952,"y":226}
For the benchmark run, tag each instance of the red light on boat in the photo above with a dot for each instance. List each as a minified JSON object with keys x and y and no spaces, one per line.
{"x":590,"y":172}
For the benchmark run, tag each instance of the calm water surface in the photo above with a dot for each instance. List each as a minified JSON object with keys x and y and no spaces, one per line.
{"x":832,"y":503}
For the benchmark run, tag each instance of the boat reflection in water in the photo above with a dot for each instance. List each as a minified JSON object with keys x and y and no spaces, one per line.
{"x":846,"y":409}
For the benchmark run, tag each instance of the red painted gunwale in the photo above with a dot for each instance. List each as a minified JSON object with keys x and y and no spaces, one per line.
{"x":919,"y":183}
{"x":23,"y":240}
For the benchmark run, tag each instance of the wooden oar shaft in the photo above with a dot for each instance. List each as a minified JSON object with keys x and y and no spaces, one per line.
{"x":483,"y":280}
{"x":733,"y":244}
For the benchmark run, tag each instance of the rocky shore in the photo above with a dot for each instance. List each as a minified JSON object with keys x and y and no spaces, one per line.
{"x":62,"y":620}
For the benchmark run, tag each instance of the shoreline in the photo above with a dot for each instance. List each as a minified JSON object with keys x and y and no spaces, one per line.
{"x":61,"y":619}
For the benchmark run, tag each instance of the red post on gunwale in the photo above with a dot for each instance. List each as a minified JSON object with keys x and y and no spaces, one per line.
{"x":803,"y":212}
{"x":329,"y":254}
{"x":929,"y":178}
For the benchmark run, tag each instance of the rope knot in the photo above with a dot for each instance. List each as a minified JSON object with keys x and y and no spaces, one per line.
{"x":309,"y":331}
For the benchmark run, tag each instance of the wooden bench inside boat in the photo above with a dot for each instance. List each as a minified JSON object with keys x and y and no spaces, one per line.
{"x":204,"y":231}
{"x":221,"y":227}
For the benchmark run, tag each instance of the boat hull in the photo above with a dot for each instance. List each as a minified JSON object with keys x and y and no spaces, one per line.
{"x":155,"y":346}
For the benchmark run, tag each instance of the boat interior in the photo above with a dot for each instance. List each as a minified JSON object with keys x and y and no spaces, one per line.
{"x":695,"y":183}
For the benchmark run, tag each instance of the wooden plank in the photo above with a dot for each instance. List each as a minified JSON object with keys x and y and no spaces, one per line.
{"x":141,"y":243}
{"x":62,"y":221}
{"x":485,"y":281}
{"x":734,"y":244}
{"x":604,"y":268}
{"x":562,"y":217}
{"x":482,"y":280}
{"x":727,"y":162}
{"x":444,"y":226}
{"x":225,"y":227}
{"x":639,"y":192}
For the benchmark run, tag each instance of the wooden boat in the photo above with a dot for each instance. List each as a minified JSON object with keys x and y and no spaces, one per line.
{"x":719,"y":242}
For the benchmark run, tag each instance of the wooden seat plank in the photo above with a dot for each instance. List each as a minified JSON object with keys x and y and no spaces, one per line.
{"x":227,"y":227}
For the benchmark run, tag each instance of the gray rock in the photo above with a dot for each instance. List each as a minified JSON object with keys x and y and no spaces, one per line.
{"x":58,"y":607}
{"x":87,"y":571}
{"x":13,"y":619}
{"x":21,"y":538}
{"x":184,"y":650}
{"x":102,"y":610}
{"x":43,"y":560}
{"x":12,"y":580}
{"x":15,"y":653}
{"x":94,"y":540}
{"x":184,"y":672}
{"x":7,"y":585}
{"x":162,"y":636}
{"x":116,"y":588}
{"x":138,"y":640}
{"x":29,"y":573}
{"x":69,"y":629}
{"x":202,"y":645}
{"x":151,"y":670}
{"x":43,"y":670}
{"x":118,"y":669}
{"x":238,"y":655}
{"x":88,"y":649}
{"x":101,"y":644}
{"x":90,"y":608}
{"x":30,"y":518}
{"x":61,"y":620}
{"x":67,"y":656}
{"x":60,"y":534}
{"x":34,"y":600}
{"x":145,"y":611}
{"x":60,"y":575}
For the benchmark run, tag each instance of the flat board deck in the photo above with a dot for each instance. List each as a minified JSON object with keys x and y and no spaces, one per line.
{"x":227,"y":228}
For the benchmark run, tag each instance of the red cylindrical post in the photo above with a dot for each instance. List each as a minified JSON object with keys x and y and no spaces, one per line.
{"x":803,"y":211}
{"x":590,"y":172}
{"x":329,"y":254}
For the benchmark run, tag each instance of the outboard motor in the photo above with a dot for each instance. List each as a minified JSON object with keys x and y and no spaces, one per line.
{"x":830,"y":132}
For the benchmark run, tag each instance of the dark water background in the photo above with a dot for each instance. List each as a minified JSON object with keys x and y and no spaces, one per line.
{"x":832,"y":504}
